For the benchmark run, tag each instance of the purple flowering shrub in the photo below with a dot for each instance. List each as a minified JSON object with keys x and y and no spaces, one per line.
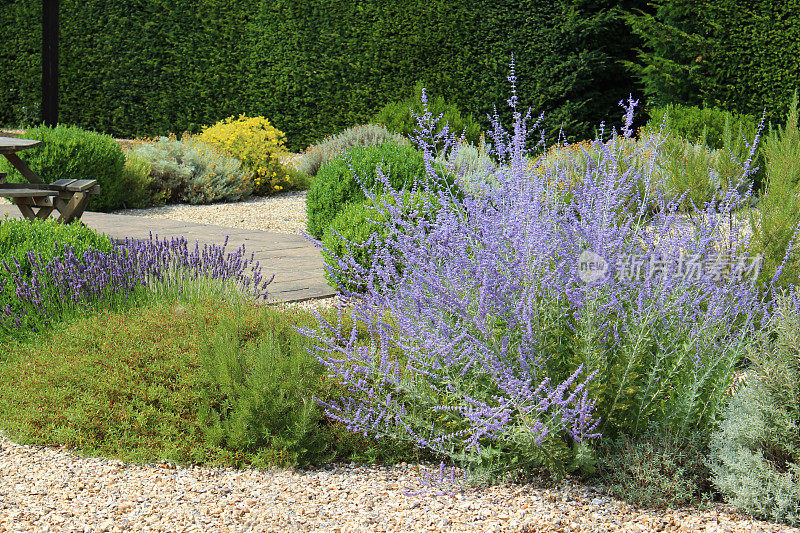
{"x":511,"y":354}
{"x":131,"y":271}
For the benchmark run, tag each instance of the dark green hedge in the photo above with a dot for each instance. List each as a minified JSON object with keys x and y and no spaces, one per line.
{"x":739,"y":56}
{"x":148,"y":67}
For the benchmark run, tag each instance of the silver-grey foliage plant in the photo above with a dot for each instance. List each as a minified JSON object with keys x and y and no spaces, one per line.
{"x":331,"y":147}
{"x":755,"y":454}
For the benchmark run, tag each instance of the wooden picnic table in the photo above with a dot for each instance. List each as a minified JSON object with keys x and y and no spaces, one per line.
{"x":67,"y":196}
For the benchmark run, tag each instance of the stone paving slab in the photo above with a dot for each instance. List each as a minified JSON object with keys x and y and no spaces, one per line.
{"x":296,"y":263}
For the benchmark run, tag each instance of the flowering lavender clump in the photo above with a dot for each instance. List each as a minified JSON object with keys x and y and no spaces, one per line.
{"x":135,"y":269}
{"x":490,"y":345}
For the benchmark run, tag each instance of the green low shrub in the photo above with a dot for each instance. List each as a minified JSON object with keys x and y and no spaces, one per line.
{"x":191,"y":380}
{"x":191,"y":171}
{"x":701,"y":125}
{"x":137,"y":178}
{"x":69,"y":152}
{"x":397,"y":117}
{"x":755,"y":454}
{"x":359,"y":231}
{"x":776,"y":219}
{"x":331,"y":147}
{"x":259,"y":397}
{"x":336,"y":185}
{"x":653,"y":469}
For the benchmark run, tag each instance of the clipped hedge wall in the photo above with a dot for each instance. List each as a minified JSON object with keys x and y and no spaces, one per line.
{"x":739,"y":56}
{"x":150,"y":67}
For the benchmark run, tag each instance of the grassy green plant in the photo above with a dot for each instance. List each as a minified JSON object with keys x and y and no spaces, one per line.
{"x":701,"y":125}
{"x":190,"y":380}
{"x":330,"y":147}
{"x":755,"y":454}
{"x":48,"y":239}
{"x":138,"y":181}
{"x":69,"y":152}
{"x":399,"y":116}
{"x":192,"y":171}
{"x":776,"y":221}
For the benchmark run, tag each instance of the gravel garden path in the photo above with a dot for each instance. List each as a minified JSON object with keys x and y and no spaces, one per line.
{"x":51,"y":489}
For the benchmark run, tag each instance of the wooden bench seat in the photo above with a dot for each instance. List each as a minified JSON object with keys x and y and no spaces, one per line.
{"x":68,"y":196}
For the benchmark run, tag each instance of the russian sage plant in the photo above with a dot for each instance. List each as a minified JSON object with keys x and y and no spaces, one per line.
{"x":493,"y":346}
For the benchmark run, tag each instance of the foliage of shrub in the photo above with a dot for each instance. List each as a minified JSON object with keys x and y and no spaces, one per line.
{"x":336,"y":183}
{"x":512,"y":359}
{"x":654,"y":470}
{"x":755,"y":454}
{"x":701,"y":125}
{"x":154,"y":383}
{"x":69,"y":152}
{"x":472,"y":165}
{"x":400,"y":117}
{"x":138,"y":181}
{"x":259,"y":399}
{"x":687,"y":173}
{"x":358,"y":231}
{"x":331,"y":147}
{"x":776,"y":220}
{"x":192,"y":171}
{"x":258,"y":145}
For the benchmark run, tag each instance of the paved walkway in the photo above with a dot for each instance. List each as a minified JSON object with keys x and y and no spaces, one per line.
{"x":296,"y":263}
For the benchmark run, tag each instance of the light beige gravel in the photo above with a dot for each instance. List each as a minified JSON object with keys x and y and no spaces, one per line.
{"x":282,"y":213}
{"x":49,"y":489}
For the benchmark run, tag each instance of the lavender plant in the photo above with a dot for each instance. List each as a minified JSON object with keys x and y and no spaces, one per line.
{"x":490,"y":344}
{"x":132,"y":271}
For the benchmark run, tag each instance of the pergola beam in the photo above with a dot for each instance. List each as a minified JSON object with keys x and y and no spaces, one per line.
{"x":50,"y":62}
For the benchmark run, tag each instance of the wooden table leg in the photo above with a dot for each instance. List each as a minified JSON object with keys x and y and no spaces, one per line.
{"x":23,"y":168}
{"x":73,"y":208}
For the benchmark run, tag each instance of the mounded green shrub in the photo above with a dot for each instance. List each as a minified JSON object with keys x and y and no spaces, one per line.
{"x":191,"y":171}
{"x":359,"y":231}
{"x":331,"y":147}
{"x":398,"y":117}
{"x":755,"y":454}
{"x":69,"y":152}
{"x":335,"y":184}
{"x":706,"y":124}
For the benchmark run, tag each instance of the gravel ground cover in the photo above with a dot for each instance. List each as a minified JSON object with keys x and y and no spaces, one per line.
{"x":49,"y":489}
{"x":283,"y":213}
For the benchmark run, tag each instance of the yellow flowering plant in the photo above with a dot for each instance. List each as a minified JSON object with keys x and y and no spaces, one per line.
{"x":258,"y":145}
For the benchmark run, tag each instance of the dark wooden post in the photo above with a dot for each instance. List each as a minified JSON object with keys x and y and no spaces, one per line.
{"x":50,"y":62}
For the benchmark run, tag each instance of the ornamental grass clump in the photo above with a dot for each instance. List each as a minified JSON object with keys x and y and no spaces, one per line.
{"x":513,"y":328}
